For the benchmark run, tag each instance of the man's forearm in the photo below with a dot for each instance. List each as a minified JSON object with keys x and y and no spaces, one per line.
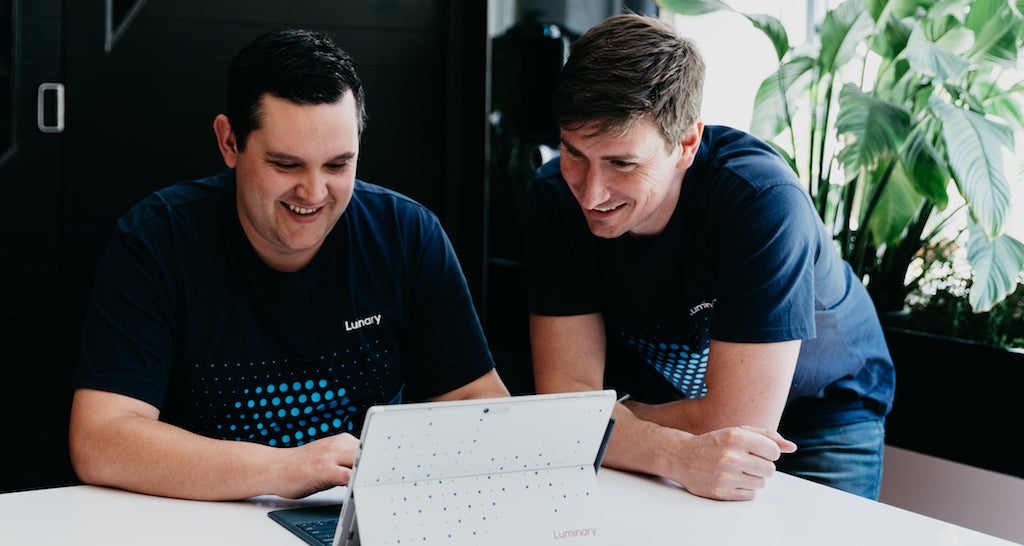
{"x":636,"y":444}
{"x":730,"y":463}
{"x":679,"y":414}
{"x":149,"y":456}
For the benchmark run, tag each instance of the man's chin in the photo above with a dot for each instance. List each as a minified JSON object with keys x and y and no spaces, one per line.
{"x":605,"y":231}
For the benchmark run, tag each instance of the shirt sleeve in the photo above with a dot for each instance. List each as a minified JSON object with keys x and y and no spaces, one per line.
{"x":446,"y":344}
{"x":765,"y":270}
{"x":128,"y":333}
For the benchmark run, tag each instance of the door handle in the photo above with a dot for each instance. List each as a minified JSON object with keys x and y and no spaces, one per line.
{"x":57,"y":90}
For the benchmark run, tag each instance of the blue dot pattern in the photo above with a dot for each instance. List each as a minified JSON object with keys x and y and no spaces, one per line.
{"x":291,"y":402}
{"x":684,"y":367}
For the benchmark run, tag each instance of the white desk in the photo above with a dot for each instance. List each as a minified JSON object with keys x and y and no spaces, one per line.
{"x":638,"y":511}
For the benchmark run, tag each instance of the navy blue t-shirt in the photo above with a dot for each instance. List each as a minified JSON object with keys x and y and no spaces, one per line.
{"x":744,"y":258}
{"x":187,"y":317}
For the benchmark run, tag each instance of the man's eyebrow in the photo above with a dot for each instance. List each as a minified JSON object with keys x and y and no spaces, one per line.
{"x":630,"y":158}
{"x":570,"y":147}
{"x":282,"y":156}
{"x":619,"y":157}
{"x":347,"y":156}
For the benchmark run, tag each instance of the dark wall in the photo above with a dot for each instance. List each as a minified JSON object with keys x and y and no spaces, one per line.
{"x":32,"y":357}
{"x":139,"y":111}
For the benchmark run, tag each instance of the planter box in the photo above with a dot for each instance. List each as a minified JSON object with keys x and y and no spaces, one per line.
{"x":957,"y":400}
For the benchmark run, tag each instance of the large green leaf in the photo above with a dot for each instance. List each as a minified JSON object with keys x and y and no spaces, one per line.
{"x":897,"y":204}
{"x":942,"y":8}
{"x":844,"y":29}
{"x":876,"y":8}
{"x":995,"y":29}
{"x":1007,"y":104}
{"x":926,"y":170}
{"x":873,"y":129}
{"x":893,"y":25}
{"x":975,"y":146}
{"x":898,"y":84}
{"x":892,"y":39}
{"x":997,"y":265}
{"x":694,"y":7}
{"x":778,"y":96}
{"x":920,"y":173}
{"x":897,"y":8}
{"x":773,"y":29}
{"x":935,"y":58}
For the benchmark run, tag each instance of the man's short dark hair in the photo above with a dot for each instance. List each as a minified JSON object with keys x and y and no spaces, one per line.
{"x":628,"y":67}
{"x":301,"y":66}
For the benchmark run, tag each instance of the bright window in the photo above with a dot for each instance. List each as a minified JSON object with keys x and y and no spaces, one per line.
{"x":739,"y":56}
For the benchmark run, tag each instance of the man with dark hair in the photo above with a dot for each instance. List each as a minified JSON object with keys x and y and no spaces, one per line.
{"x":685,"y":266}
{"x":241,"y":325}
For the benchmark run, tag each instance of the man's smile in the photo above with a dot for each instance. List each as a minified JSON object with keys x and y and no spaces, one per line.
{"x":608,"y":209}
{"x":302,"y":211}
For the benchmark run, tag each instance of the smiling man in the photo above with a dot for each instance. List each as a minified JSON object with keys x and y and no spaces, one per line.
{"x":685,"y":266}
{"x":241,"y":325}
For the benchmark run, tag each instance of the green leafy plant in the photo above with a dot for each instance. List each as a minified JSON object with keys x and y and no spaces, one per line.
{"x":897,"y":117}
{"x":939,"y":307}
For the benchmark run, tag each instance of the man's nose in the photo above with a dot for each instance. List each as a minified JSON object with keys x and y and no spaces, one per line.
{"x":313,"y":187}
{"x":593,"y":191}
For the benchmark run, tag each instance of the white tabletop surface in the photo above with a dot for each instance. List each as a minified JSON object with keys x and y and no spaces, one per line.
{"x":638,"y":510}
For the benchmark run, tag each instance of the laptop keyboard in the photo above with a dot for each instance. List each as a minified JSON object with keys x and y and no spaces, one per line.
{"x":322,"y":530}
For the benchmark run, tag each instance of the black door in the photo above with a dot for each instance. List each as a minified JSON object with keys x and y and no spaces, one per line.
{"x":33,"y":392}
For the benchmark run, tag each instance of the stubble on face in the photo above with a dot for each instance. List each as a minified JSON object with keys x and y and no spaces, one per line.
{"x":295,"y":178}
{"x":624,"y":182}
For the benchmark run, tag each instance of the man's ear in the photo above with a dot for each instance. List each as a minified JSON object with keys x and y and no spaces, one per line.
{"x":226,"y":140}
{"x":690,"y":145}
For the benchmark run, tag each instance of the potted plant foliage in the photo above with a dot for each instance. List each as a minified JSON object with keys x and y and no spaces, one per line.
{"x":893,"y":108}
{"x":898,"y":117}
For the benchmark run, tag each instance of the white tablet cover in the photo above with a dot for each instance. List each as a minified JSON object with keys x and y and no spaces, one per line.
{"x":500,"y":471}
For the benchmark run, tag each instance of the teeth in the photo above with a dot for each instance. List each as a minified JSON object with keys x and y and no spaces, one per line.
{"x":599,"y":209}
{"x":298,"y":210}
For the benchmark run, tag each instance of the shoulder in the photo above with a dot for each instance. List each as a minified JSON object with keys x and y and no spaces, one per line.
{"x":549,"y":175}
{"x":183,"y":202}
{"x":390,"y":217}
{"x":549,"y":186}
{"x":730,"y":153}
{"x":550,"y":170}
{"x":374,"y":200}
{"x":738,"y":169}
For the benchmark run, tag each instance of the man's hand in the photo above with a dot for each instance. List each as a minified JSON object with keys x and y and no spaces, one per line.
{"x":318,"y":465}
{"x":730,"y":463}
{"x":726,"y":464}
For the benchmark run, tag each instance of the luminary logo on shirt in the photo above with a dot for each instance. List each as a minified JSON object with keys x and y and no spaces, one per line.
{"x":702,"y":306}
{"x":371,"y":320}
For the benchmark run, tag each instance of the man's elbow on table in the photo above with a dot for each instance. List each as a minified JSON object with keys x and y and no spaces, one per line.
{"x":96,"y":419}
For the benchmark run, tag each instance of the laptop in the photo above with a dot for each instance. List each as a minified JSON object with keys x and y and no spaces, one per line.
{"x":500,"y":471}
